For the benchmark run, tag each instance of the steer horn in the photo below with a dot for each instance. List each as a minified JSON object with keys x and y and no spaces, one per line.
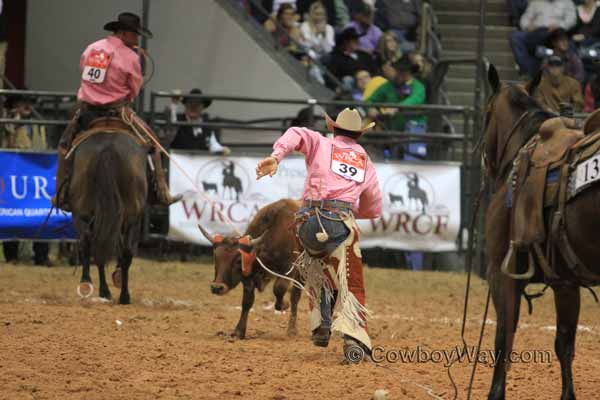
{"x":206,"y":234}
{"x":258,"y":240}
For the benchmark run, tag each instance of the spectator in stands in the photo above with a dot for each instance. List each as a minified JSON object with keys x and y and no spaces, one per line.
{"x":388,"y":49}
{"x":259,"y":8}
{"x":362,"y":22}
{"x":303,"y":7}
{"x":25,"y":136}
{"x":318,"y":36}
{"x":403,"y":89}
{"x":537,"y":23}
{"x":286,"y":31}
{"x":366,"y":84}
{"x":346,"y":59}
{"x":556,"y":87}
{"x":559,"y":43}
{"x":587,"y":29}
{"x":400,"y":16}
{"x":190,"y":137}
{"x":516,"y":9}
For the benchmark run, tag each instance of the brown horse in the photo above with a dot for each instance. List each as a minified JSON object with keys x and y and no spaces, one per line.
{"x":512,"y":118}
{"x":108,"y":193}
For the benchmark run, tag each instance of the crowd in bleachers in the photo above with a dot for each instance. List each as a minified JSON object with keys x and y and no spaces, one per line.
{"x":365,"y":50}
{"x":562,"y":38}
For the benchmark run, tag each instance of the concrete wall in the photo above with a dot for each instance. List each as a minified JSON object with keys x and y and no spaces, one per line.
{"x":196,"y":44}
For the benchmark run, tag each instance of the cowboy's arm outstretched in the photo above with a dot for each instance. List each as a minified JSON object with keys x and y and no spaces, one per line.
{"x":294,"y":139}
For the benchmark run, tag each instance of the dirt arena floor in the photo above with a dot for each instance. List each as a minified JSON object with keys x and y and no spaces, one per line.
{"x":169,"y":343}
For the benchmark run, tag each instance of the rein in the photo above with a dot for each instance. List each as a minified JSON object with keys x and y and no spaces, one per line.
{"x":508,"y":139}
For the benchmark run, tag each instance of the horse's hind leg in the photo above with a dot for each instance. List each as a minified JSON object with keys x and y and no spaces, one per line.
{"x":567,"y":302}
{"x":104,"y":290}
{"x":124,"y":264}
{"x":85,"y":254}
{"x":131,"y":242}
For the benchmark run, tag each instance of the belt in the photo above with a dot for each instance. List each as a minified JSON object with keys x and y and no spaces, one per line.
{"x":325,"y":204}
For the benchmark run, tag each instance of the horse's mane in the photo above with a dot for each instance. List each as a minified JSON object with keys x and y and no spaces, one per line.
{"x":522,"y":101}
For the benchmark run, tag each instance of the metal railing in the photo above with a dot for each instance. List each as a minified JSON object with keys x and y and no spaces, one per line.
{"x":457,"y":145}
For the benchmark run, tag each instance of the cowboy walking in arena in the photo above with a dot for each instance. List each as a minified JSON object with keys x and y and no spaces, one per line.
{"x":111,"y":78}
{"x":341,"y":185}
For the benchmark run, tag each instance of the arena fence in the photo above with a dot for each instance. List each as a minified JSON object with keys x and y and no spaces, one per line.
{"x":448,"y":144}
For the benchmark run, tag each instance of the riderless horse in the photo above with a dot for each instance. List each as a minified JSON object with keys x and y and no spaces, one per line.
{"x":513,"y":119}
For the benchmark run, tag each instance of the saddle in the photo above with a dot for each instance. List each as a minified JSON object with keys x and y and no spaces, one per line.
{"x":539,"y":189}
{"x":114,"y":125}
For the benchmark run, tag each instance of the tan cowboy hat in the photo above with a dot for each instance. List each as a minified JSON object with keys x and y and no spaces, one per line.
{"x":592,"y":123}
{"x":348,"y":120}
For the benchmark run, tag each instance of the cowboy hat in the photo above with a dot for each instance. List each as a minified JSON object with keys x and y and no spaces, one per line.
{"x":190,"y":100}
{"x":348,"y":120}
{"x":128,"y":22}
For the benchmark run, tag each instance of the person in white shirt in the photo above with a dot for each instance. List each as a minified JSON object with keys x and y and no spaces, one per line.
{"x":317,"y":35}
{"x":541,"y":18}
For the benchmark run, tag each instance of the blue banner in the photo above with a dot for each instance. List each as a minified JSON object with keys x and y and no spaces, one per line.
{"x":27,"y":184}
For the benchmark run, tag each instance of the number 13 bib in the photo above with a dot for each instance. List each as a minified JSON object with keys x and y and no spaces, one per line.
{"x":96,"y":64}
{"x":349,"y":164}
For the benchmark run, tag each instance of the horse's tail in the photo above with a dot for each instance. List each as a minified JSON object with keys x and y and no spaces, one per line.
{"x":108,"y":213}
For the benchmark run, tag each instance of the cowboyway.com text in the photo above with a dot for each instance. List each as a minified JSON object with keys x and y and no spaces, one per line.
{"x":486,"y":357}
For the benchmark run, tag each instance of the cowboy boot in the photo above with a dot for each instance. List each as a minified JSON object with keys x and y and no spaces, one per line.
{"x":161,"y":188}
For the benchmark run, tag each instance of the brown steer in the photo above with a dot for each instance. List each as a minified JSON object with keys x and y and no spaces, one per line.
{"x":271,"y":237}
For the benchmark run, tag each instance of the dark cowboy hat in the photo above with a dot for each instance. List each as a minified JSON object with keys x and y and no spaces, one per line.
{"x":188,"y":100}
{"x":346,"y":35}
{"x":128,"y":22}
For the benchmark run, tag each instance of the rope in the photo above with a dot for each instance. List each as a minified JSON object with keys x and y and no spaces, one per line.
{"x":464,"y":350}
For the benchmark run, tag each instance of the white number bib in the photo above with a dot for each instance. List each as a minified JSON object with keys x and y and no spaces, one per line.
{"x":349,"y":164}
{"x":96,"y":65}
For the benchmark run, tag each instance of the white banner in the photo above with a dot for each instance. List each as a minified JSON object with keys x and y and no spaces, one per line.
{"x":421,"y":202}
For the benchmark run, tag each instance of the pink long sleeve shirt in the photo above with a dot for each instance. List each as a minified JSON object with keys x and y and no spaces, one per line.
{"x":337,"y":169}
{"x":110,"y":72}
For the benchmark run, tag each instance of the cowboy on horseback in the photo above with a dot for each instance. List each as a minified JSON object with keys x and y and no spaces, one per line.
{"x":111,"y":79}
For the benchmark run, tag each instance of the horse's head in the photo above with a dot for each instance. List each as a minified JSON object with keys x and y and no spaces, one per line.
{"x":512,"y":117}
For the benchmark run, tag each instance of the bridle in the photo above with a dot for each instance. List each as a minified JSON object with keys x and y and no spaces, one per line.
{"x":500,"y":155}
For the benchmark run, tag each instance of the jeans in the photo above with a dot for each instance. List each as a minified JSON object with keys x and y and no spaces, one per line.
{"x":337,"y":232}
{"x":325,"y":311}
{"x":523,"y":45}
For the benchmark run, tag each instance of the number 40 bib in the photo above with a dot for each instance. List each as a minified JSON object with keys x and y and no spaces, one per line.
{"x":349,"y":164}
{"x":96,"y":64}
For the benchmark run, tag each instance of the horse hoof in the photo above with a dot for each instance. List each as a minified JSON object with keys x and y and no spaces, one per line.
{"x":116,"y":278}
{"x":85,"y":289}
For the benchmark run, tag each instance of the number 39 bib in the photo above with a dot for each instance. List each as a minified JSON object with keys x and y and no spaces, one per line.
{"x":96,"y":64}
{"x":349,"y":164}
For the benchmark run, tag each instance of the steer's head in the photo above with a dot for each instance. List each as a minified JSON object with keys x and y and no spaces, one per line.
{"x":233,"y":257}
